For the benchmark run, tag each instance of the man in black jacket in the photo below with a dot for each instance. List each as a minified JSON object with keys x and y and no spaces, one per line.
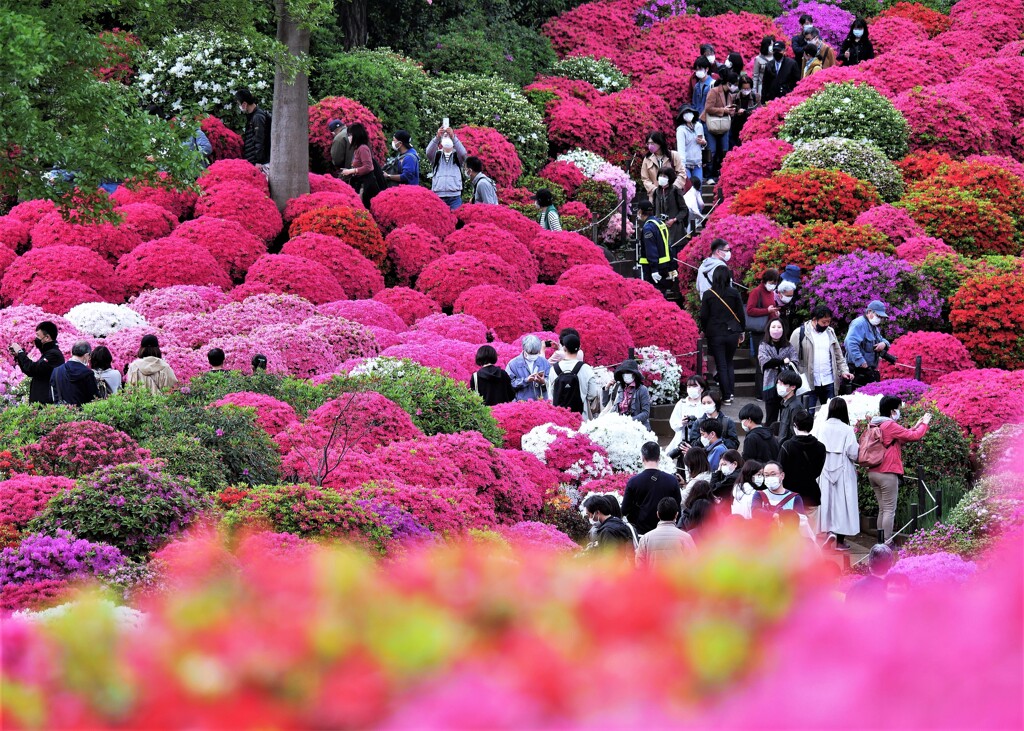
{"x":39,"y":371}
{"x":74,"y":383}
{"x":759,"y":444}
{"x":803,"y":458}
{"x":645,"y":490}
{"x":780,"y":75}
{"x":256,"y":137}
{"x":611,"y":531}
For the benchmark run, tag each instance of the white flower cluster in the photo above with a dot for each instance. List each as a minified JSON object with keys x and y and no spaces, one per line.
{"x":198,"y":72}
{"x":125,"y":618}
{"x":588,"y":162}
{"x":540,"y":438}
{"x":860,"y":158}
{"x":601,"y":73}
{"x":653,"y":359}
{"x":622,"y":437}
{"x":380,"y":366}
{"x":101,"y":319}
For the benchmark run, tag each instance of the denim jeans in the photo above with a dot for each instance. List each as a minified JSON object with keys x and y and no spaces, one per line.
{"x":453,"y":203}
{"x":818,"y":395}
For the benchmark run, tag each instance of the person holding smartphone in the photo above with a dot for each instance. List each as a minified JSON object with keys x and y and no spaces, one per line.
{"x":39,"y":371}
{"x":447,"y":155}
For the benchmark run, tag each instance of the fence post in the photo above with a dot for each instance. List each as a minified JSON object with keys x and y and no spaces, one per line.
{"x":632,"y":353}
{"x":917,"y":368}
{"x":938,"y":504}
{"x":914,"y":512}
{"x":920,"y":486}
{"x":699,"y":368}
{"x":593,"y":231}
{"x":881,"y":536}
{"x":624,"y":221}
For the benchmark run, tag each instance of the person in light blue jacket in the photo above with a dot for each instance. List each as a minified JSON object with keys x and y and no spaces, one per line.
{"x":865,"y":344}
{"x":529,"y":371}
{"x":447,"y":155}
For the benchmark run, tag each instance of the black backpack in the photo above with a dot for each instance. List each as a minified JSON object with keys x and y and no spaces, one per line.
{"x":566,"y":392}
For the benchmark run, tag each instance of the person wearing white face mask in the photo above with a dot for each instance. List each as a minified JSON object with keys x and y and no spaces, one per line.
{"x":761,"y":61}
{"x":529,"y":371}
{"x":797,"y":41}
{"x":747,"y":102}
{"x":865,"y":344}
{"x":669,"y":204}
{"x":687,"y":411}
{"x":719,"y":256}
{"x":718,"y":115}
{"x":628,"y":396}
{"x":404,"y":168}
{"x":857,"y":47}
{"x":448,"y":155}
{"x":750,"y":481}
{"x":711,"y":441}
{"x":775,"y":498}
{"x":701,"y":84}
{"x":885,"y":476}
{"x":775,"y":355}
{"x":658,"y":158}
{"x":711,"y":403}
{"x":761,"y":308}
{"x":690,"y":140}
{"x":724,"y":478}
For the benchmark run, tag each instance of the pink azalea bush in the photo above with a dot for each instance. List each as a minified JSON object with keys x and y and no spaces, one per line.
{"x":894,"y":222}
{"x":500,"y":309}
{"x":147,"y":221}
{"x":745,"y":165}
{"x":535,"y":536}
{"x":519,"y":417}
{"x":945,"y":121}
{"x":23,"y":497}
{"x":182,"y":298}
{"x":338,"y":107}
{"x":233,"y":170}
{"x":408,"y":304}
{"x":600,"y":285}
{"x":464,"y":327}
{"x":325,"y":199}
{"x":444,"y":279}
{"x":344,"y":339}
{"x":161,"y":193}
{"x":411,"y":204}
{"x":296,"y":275}
{"x":410,"y":248}
{"x":226,"y":143}
{"x":237,"y":201}
{"x":168,"y":262}
{"x":14,"y":233}
{"x":356,"y":274}
{"x":79,"y":447}
{"x":559,"y":251}
{"x":565,"y":175}
{"x":940,"y":353}
{"x":370,"y":313}
{"x":661,"y":323}
{"x":106,"y":239}
{"x":58,"y":296}
{"x":234,"y":248}
{"x":549,"y":301}
{"x":32,"y":211}
{"x":489,"y":239}
{"x":980,"y":401}
{"x":499,"y":156}
{"x":605,"y":339}
{"x":525,"y":229}
{"x":945,"y":570}
{"x":744,"y":234}
{"x":918,"y":248}
{"x":272,"y":415}
{"x":55,"y":263}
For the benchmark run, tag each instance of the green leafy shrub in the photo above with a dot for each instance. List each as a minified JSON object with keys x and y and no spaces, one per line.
{"x":598,"y":196}
{"x":861,"y":159}
{"x":134,"y":411}
{"x":504,"y":49}
{"x":129,"y":506}
{"x":601,"y":73}
{"x":388,"y":84}
{"x":436,"y":403}
{"x":24,"y":423}
{"x":533,"y":183}
{"x":185,"y":455}
{"x":206,"y":388}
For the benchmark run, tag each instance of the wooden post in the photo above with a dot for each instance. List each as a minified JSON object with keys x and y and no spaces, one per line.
{"x":699,"y":368}
{"x":917,"y":368}
{"x":938,"y":504}
{"x":914,"y":512}
{"x":623,"y":222}
{"x":920,"y":487}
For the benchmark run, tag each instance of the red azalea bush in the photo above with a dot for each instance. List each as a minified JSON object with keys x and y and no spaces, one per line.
{"x":167,"y":262}
{"x":446,"y":278}
{"x":672,"y":85}
{"x":272,"y":416}
{"x":147,"y":221}
{"x":161,"y":193}
{"x":14,"y":233}
{"x":463,"y":327}
{"x":407,"y":303}
{"x":518,"y":417}
{"x":575,"y":209}
{"x":236,"y":201}
{"x":498,"y":308}
{"x":410,"y":248}
{"x":7,"y":257}
{"x":931,"y":21}
{"x":499,"y":156}
{"x":122,"y":51}
{"x":941,"y":354}
{"x":338,"y":107}
{"x":489,"y":239}
{"x":818,"y":243}
{"x":59,"y":263}
{"x":296,"y":275}
{"x":558,"y":251}
{"x":351,"y":225}
{"x":600,"y":285}
{"x":917,"y":166}
{"x":971,"y":225}
{"x":987,"y":181}
{"x":661,"y":323}
{"x":525,"y":229}
{"x":944,"y":122}
{"x":745,"y":235}
{"x":23,"y":497}
{"x":894,"y":222}
{"x":918,"y":248}
{"x":411,"y":204}
{"x":57,"y":296}
{"x":329,"y":184}
{"x":297,"y":206}
{"x":346,"y":340}
{"x":234,"y":248}
{"x":565,"y":175}
{"x":987,"y":315}
{"x":234,"y":170}
{"x":807,"y":195}
{"x":980,"y":401}
{"x":106,"y":239}
{"x":611,"y":23}
{"x":549,"y":301}
{"x":605,"y":339}
{"x":226,"y":143}
{"x":77,"y":448}
{"x":33,"y":210}
{"x":355,"y":273}
{"x":750,"y":162}
{"x":573,"y":123}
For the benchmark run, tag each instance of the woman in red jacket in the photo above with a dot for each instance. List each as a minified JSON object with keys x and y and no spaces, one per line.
{"x":885,"y":479}
{"x":761,"y":308}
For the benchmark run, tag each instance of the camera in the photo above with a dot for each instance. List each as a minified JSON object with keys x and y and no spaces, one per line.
{"x":890,"y":359}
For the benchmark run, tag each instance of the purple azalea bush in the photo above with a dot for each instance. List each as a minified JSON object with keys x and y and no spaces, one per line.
{"x":907,"y":389}
{"x":56,"y":558}
{"x":403,"y":527}
{"x":831,"y":21}
{"x":849,"y":283}
{"x":655,"y":11}
{"x":942,"y":569}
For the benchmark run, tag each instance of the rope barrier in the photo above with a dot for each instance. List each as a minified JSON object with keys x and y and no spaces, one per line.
{"x":599,"y":221}
{"x":910,"y":368}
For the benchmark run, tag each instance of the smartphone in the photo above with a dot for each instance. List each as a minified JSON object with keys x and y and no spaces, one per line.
{"x":445,"y":123}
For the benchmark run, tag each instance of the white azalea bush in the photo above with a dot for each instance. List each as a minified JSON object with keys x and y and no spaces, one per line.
{"x":622,"y":437}
{"x":197,"y":72}
{"x":662,"y":374}
{"x":559,"y":447}
{"x":122,"y":618}
{"x":101,"y":319}
{"x":588,"y":162}
{"x":599,"y":72}
{"x":860,"y":158}
{"x":853,"y":111}
{"x":860,"y":406}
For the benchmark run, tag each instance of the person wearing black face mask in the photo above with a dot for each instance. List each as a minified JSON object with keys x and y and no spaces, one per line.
{"x":39,"y":371}
{"x":821,"y":357}
{"x":780,"y":76}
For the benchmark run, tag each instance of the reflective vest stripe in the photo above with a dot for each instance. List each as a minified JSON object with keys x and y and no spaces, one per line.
{"x":666,"y":254}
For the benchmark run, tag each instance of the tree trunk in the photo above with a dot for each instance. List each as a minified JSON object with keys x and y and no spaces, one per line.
{"x":289,"y":133}
{"x":352,"y":15}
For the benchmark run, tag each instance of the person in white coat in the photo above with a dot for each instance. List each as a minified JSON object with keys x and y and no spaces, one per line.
{"x":838,"y":515}
{"x":686,"y":411}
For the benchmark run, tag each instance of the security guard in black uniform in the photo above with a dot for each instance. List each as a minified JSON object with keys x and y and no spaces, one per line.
{"x":654,"y":247}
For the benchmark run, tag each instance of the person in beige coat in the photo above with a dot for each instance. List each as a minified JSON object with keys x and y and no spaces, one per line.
{"x":666,"y":545}
{"x":149,"y":369}
{"x":818,"y":55}
{"x":659,"y":156}
{"x":821,"y":357}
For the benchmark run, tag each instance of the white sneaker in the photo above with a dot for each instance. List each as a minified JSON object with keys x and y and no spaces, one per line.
{"x":710,"y":181}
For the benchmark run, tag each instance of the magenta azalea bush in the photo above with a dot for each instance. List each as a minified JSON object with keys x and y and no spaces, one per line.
{"x":940,"y":353}
{"x":60,"y":557}
{"x":532,"y":535}
{"x":79,"y":447}
{"x":894,"y":222}
{"x":907,"y":389}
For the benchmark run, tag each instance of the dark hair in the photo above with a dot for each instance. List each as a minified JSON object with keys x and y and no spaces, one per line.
{"x":697,"y":460}
{"x":101,"y":358}
{"x":766,"y":45}
{"x":475,"y":164}
{"x":216,"y":357}
{"x":244,"y":96}
{"x":49,"y":328}
{"x":837,"y":409}
{"x":750,"y":468}
{"x":716,"y":397}
{"x":567,"y":331}
{"x":770,"y":275}
{"x":359,"y":135}
{"x":733,"y":455}
{"x":544,"y":197}
{"x":804,"y":17}
{"x":889,"y":404}
{"x":705,"y":47}
{"x":486,"y":355}
{"x":752,"y":412}
{"x":259,"y":362}
{"x":696,"y":380}
{"x":803,"y":420}
{"x":658,"y":138}
{"x":597,"y":504}
{"x":668,"y":508}
{"x":859,"y":22}
{"x":727,"y":76}
{"x":571,"y":343}
{"x":768,"y":327}
{"x":745,"y":80}
{"x":717,"y":244}
{"x":149,"y":351}
{"x":82,"y":347}
{"x":790,"y":378}
{"x":650,"y":452}
{"x":614,"y":508}
{"x":701,"y":490}
{"x":711,"y":426}
{"x":701,"y":63}
{"x":821,"y":311}
{"x":737,"y":61}
{"x":669,"y":173}
{"x":776,"y":463}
